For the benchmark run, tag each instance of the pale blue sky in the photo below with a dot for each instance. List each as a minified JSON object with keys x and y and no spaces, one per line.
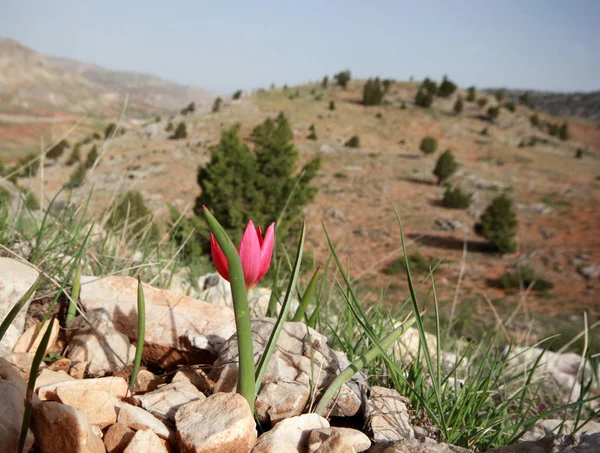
{"x":226,"y":45}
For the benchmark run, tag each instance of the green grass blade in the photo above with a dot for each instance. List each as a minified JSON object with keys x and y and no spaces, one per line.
{"x":12,"y":314}
{"x":139,"y":348}
{"x":263,"y":363}
{"x":72,"y":311}
{"x":307,"y":297}
{"x":272,"y":307}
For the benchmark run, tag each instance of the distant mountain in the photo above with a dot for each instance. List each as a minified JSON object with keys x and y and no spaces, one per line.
{"x":585,"y":106}
{"x":33,"y":83}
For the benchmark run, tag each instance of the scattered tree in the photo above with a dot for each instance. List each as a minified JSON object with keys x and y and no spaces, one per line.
{"x":493,"y":113}
{"x":563,"y":132}
{"x":500,"y":95}
{"x":481,"y":102}
{"x":57,"y":150}
{"x":498,"y":224}
{"x":458,"y":106}
{"x":342,"y":78}
{"x":527,"y":100}
{"x":446,"y":88}
{"x":372,"y":92}
{"x":191,"y":108}
{"x":579,"y":153}
{"x":403,"y":106}
{"x":77,"y":177}
{"x":535,"y":121}
{"x":216,"y":105}
{"x":353,"y":142}
{"x":429,"y":86}
{"x":237,"y":95}
{"x":130,"y":211}
{"x":471,"y":94}
{"x":331,"y":105}
{"x":428,"y":145}
{"x":424,"y":98}
{"x":313,"y":133}
{"x":180,"y":132}
{"x":29,"y":165}
{"x":510,"y":106}
{"x":387,"y":84}
{"x":169,"y":127}
{"x":109,"y":132}
{"x":455,"y":198}
{"x":524,"y":277}
{"x":91,"y":157}
{"x":75,"y":155}
{"x":325,"y":82}
{"x":445,"y":166}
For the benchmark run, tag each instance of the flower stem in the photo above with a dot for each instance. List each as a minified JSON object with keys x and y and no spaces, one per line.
{"x":245,"y":386}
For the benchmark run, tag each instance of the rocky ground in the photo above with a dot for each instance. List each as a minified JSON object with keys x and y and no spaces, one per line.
{"x":184,"y":399}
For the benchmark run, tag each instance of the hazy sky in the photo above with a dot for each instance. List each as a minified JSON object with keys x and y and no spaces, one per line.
{"x":226,"y":45}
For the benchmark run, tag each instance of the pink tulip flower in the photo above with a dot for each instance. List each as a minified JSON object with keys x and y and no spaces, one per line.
{"x":255,"y":254}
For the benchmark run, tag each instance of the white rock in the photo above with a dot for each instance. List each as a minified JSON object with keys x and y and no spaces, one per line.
{"x":102,"y":346}
{"x":15,"y":280}
{"x":164,"y":401}
{"x":28,"y":342}
{"x":137,"y":418}
{"x":48,"y":377}
{"x":196,"y":377}
{"x":220,"y":423}
{"x":116,"y":386}
{"x":173,"y":322}
{"x":101,"y":408}
{"x":290,"y":435}
{"x":337,"y":440}
{"x":145,"y":441}
{"x":387,"y":415}
{"x":117,"y":438}
{"x":147,"y":381}
{"x":12,"y":395}
{"x":59,"y":428}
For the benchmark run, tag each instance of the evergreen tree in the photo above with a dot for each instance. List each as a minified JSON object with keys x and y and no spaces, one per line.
{"x":75,"y":155}
{"x":372,"y":92}
{"x":429,"y":86}
{"x":313,"y":132}
{"x":446,"y":88}
{"x":29,"y":165}
{"x":77,"y":177}
{"x":510,"y":106}
{"x":180,"y":132}
{"x":458,"y":106}
{"x":331,"y":105}
{"x":216,"y":105}
{"x":342,"y":78}
{"x":527,"y":100}
{"x":325,"y":82}
{"x":57,"y":150}
{"x":456,"y":199}
{"x":563,"y":132}
{"x":191,"y":108}
{"x":387,"y":84}
{"x":482,"y":102}
{"x":498,"y":224}
{"x":493,"y":113}
{"x":428,"y":145}
{"x":353,"y":142}
{"x":237,"y":95}
{"x":500,"y":95}
{"x":91,"y":157}
{"x":445,"y":166}
{"x":424,"y":98}
{"x":471,"y":94}
{"x":110,"y":131}
{"x":535,"y":120}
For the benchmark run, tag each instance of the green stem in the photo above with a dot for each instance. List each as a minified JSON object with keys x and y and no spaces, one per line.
{"x":359,"y":364}
{"x":72,"y":311}
{"x":307,"y":297}
{"x":245,"y":386}
{"x":139,"y":348}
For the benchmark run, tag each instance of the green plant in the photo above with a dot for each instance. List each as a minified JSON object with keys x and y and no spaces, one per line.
{"x":75,"y":155}
{"x":130,"y":215}
{"x":482,"y":102}
{"x":91,"y":158}
{"x":500,"y":95}
{"x":525,"y":277}
{"x":563,"y":132}
{"x":493,"y":113}
{"x":403,"y":106}
{"x":428,"y":145}
{"x":31,"y":202}
{"x":180,"y":132}
{"x":217,"y":105}
{"x":527,"y":100}
{"x":416,"y":261}
{"x":455,"y":198}
{"x":353,"y":142}
{"x":471,"y":94}
{"x":77,"y":177}
{"x":331,"y":105}
{"x":110,"y":131}
{"x":535,"y":120}
{"x":191,"y":108}
{"x":510,"y":106}
{"x":340,"y":175}
{"x":445,"y":166}
{"x":57,"y":150}
{"x":237,"y":95}
{"x":484,"y":132}
{"x":458,"y":106}
{"x":498,"y":224}
{"x":379,"y":115}
{"x":141,"y":333}
{"x":342,"y":78}
{"x":372,"y":92}
{"x":313,"y":133}
{"x":97,"y":136}
{"x":169,"y":127}
{"x":429,"y":86}
{"x":579,"y":153}
{"x":423,"y":99}
{"x":325,"y":82}
{"x":447,"y":88}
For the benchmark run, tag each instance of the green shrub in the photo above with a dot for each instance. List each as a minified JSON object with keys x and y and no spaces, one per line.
{"x":110,"y":131}
{"x":428,"y":145}
{"x":2,"y":165}
{"x":423,"y":99}
{"x":77,"y":177}
{"x":29,"y":165}
{"x":429,"y":86}
{"x":57,"y":150}
{"x":240,"y":184}
{"x":325,"y":82}
{"x":579,"y":153}
{"x":75,"y":155}
{"x":237,"y":95}
{"x":458,"y":106}
{"x":535,"y":120}
{"x":471,"y":94}
{"x":342,"y":78}
{"x":493,"y":113}
{"x":510,"y":106}
{"x":191,"y":108}
{"x":527,"y":100}
{"x":353,"y":142}
{"x":455,"y":198}
{"x":5,"y":196}
{"x":379,"y":115}
{"x":91,"y":157}
{"x":372,"y":92}
{"x":445,"y":166}
{"x":217,"y":105}
{"x":447,"y":88}
{"x":331,"y":105}
{"x":498,"y":224}
{"x":180,"y":132}
{"x":485,"y":132}
{"x":387,"y":84}
{"x":482,"y":102}
{"x":97,"y":136}
{"x":563,"y":132}
{"x":31,"y":202}
{"x":416,"y":262}
{"x":553,"y":129}
{"x":130,"y":212}
{"x":313,"y":133}
{"x":340,"y":175}
{"x":169,"y":127}
{"x":500,"y":95}
{"x":525,"y":275}
{"x":403,"y":106}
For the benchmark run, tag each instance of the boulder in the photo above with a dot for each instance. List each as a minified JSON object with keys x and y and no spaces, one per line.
{"x":164,"y":401}
{"x":290,"y":435}
{"x":387,"y":415}
{"x":337,"y":440}
{"x":145,"y":441}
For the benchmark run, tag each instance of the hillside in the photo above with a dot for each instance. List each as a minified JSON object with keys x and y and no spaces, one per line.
{"x":556,"y":194}
{"x":42,"y":96}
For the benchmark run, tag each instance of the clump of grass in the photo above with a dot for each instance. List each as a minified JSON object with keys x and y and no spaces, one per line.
{"x":524,"y":277}
{"x":416,"y":260}
{"x":353,"y":142}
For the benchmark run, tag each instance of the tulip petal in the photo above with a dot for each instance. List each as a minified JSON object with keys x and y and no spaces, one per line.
{"x":219,"y":258}
{"x":250,"y":255}
{"x":266,"y":250}
{"x":259,"y":234}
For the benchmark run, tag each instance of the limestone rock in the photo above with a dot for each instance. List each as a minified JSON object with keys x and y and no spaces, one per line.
{"x":290,"y":435}
{"x":164,"y":401}
{"x":414,"y":446}
{"x":222,"y":423}
{"x":116,"y":386}
{"x":48,"y":377}
{"x":280,"y":400}
{"x":27,"y":342}
{"x":137,"y":418}
{"x":145,"y":441}
{"x":101,"y":408}
{"x":15,"y":280}
{"x":577,"y":443}
{"x":177,"y":327}
{"x":387,"y":415}
{"x":196,"y":377}
{"x":300,"y":351}
{"x":337,"y":440}
{"x":62,"y":364}
{"x":12,"y":395}
{"x":117,"y":438}
{"x":60,"y":428}
{"x":147,"y":381}
{"x":548,"y":427}
{"x":105,"y":349}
